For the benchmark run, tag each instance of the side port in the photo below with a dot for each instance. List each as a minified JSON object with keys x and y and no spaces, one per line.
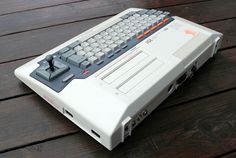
{"x":170,"y":89}
{"x":126,"y":128}
{"x":66,"y":112}
{"x":181,"y":79}
{"x":193,"y":69}
{"x":95,"y":133}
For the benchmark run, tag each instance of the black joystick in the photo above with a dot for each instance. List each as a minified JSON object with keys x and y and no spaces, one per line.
{"x":49,"y":59}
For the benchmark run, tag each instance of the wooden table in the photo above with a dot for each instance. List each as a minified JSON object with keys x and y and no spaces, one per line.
{"x":198,"y":120}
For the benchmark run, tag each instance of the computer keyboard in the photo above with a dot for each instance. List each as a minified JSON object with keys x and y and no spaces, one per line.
{"x":81,"y":59}
{"x":105,"y":78}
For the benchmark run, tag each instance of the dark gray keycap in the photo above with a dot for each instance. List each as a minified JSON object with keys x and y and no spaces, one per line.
{"x":100,"y":62}
{"x":158,"y":12}
{"x":150,"y":12}
{"x":67,"y":54}
{"x":73,"y":45}
{"x":124,"y":16}
{"x":85,"y":64}
{"x":76,"y":59}
{"x":47,"y":74}
{"x":117,"y":51}
{"x":110,"y":55}
{"x":67,"y":78}
{"x":43,"y":73}
{"x":58,"y":72}
{"x":141,"y":12}
{"x":63,"y":50}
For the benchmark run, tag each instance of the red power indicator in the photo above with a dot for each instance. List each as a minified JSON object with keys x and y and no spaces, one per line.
{"x":85,"y":72}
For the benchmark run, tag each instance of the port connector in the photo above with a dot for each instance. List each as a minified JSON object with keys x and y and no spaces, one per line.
{"x":181,"y":79}
{"x":68,"y":113}
{"x":95,"y":133}
{"x":170,"y":88}
{"x":193,"y":69}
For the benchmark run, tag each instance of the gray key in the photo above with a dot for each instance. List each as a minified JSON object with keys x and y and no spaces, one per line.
{"x":115,"y":38}
{"x":143,"y":28}
{"x":76,"y":59}
{"x":102,"y":46}
{"x":113,"y":46}
{"x":131,"y":35}
{"x":113,"y":34}
{"x":96,"y":50}
{"x":94,"y":45}
{"x":166,"y":13}
{"x":138,"y":32}
{"x":85,"y":44}
{"x":126,"y":21}
{"x":126,"y":31}
{"x":81,"y":52}
{"x":150,"y":12}
{"x":89,"y":54}
{"x":88,"y":49}
{"x":67,"y":54}
{"x":121,"y":24}
{"x":92,"y":59}
{"x":138,"y":25}
{"x":131,"y":18}
{"x":133,"y":28}
{"x":63,"y":50}
{"x":120,"y":43}
{"x":153,"y":22}
{"x":107,"y":51}
{"x":136,"y":15}
{"x":107,"y":37}
{"x":131,"y":24}
{"x":103,"y":33}
{"x":141,"y":12}
{"x":97,"y":37}
{"x":100,"y":55}
{"x":124,"y":16}
{"x":158,"y":12}
{"x":101,"y":41}
{"x":67,"y":78}
{"x":119,"y":30}
{"x":114,"y":27}
{"x":153,"y":16}
{"x":78,"y":48}
{"x":108,"y":42}
{"x":126,"y":38}
{"x":91,"y":40}
{"x":109,"y":30}
{"x":144,"y":16}
{"x":74,"y":44}
{"x":85,"y":64}
{"x":125,"y":27}
{"x":121,"y":35}
{"x":148,"y":25}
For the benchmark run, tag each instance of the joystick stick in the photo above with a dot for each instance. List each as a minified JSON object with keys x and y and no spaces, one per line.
{"x":49,"y":59}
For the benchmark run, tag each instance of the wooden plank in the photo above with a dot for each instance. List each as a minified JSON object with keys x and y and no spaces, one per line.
{"x":210,"y":79}
{"x":204,"y":128}
{"x":35,"y":42}
{"x":45,"y":17}
{"x":231,"y":155}
{"x":7,"y":7}
{"x":23,"y":123}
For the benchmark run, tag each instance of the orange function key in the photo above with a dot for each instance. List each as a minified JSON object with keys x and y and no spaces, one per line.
{"x":147,"y":32}
{"x":160,"y":23}
{"x":166,"y":19}
{"x":140,"y":36}
{"x":153,"y":28}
